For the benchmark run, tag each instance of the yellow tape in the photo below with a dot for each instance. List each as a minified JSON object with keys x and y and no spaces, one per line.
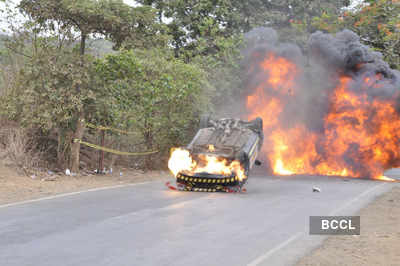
{"x":112,"y":150}
{"x":107,"y":128}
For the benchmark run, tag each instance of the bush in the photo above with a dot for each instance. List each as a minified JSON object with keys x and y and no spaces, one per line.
{"x":20,"y":148}
{"x":156,"y":95}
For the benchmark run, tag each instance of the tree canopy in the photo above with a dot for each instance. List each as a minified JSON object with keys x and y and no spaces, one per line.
{"x":377,"y":22}
{"x":111,"y":18}
{"x":199,"y":27}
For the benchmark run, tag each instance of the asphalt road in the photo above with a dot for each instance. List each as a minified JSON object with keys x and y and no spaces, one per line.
{"x":146,"y":224}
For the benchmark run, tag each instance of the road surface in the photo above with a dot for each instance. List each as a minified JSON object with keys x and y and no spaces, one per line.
{"x":146,"y":224}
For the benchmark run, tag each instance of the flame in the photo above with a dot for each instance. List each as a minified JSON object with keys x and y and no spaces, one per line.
{"x":281,"y":72}
{"x":385,"y":178}
{"x":181,"y":161}
{"x":211,"y":148}
{"x":358,"y":136}
{"x":280,"y":169}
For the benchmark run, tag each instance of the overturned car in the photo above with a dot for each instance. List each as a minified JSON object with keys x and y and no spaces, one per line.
{"x":219,"y":157}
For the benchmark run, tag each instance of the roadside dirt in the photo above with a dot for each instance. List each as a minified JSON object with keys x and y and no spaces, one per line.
{"x":378,"y":243}
{"x":16,"y":187}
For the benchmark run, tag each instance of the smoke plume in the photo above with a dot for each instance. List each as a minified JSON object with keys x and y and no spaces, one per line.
{"x":333,"y":110}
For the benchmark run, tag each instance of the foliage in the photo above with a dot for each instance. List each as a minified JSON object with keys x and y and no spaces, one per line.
{"x":210,"y":33}
{"x":21,"y":149}
{"x":159,"y":95}
{"x":110,"y":18}
{"x":197,"y":27}
{"x":55,"y":86}
{"x":295,"y":18}
{"x":377,"y":24}
{"x":50,"y":90}
{"x":157,"y":92}
{"x":223,"y":70}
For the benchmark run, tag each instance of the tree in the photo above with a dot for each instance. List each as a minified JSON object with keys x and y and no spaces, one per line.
{"x":197,"y":27}
{"x":376,"y":22}
{"x":378,"y":25}
{"x":159,"y":95}
{"x":110,"y":18}
{"x":210,"y":33}
{"x":50,"y":89}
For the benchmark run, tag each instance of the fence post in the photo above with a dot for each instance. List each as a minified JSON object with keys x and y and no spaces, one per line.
{"x":101,"y":154}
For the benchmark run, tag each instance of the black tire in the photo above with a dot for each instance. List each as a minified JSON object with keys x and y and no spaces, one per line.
{"x":204,"y":121}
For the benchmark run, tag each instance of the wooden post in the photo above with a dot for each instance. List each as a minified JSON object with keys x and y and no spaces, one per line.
{"x":76,"y":146}
{"x":101,"y":154}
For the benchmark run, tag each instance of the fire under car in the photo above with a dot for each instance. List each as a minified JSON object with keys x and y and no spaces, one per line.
{"x":220,"y":156}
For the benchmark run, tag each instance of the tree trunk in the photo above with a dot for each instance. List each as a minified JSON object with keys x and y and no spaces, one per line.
{"x":76,"y":146}
{"x":101,"y":153}
{"x":148,"y":137}
{"x":60,"y":149}
{"x":83,"y":43}
{"x":80,"y":127}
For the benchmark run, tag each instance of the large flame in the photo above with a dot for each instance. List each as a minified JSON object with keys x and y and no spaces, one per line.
{"x":359,"y":136}
{"x":182,"y":161}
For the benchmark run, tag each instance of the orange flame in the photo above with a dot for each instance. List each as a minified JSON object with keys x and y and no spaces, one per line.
{"x":346,"y":146}
{"x":385,"y":178}
{"x":181,"y":161}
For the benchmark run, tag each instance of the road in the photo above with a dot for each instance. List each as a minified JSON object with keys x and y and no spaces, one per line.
{"x":146,"y":224}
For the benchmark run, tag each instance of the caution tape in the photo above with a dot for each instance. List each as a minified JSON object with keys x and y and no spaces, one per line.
{"x":94,"y":146}
{"x":107,"y":128}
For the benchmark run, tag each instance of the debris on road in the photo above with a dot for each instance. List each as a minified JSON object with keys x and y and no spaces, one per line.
{"x":316,"y":189}
{"x":49,"y":178}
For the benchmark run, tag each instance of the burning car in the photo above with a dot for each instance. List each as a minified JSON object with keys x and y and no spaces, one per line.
{"x":219,"y":157}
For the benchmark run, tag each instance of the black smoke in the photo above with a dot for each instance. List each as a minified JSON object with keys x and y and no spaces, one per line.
{"x":326,"y":58}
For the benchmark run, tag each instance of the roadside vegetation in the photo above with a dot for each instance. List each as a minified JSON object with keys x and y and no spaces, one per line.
{"x":148,"y":71}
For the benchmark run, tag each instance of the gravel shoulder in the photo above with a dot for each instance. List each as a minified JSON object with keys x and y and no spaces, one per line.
{"x":15,"y":186}
{"x":378,"y":243}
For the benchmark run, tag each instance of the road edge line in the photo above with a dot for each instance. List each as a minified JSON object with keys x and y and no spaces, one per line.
{"x":273,"y":250}
{"x":270,"y":252}
{"x":72,"y":194}
{"x":346,"y":205}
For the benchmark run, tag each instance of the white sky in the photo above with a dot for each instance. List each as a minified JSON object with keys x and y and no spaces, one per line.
{"x":354,"y":3}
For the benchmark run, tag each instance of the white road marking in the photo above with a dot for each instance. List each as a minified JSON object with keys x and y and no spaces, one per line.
{"x":76,"y":193}
{"x":341,"y":208}
{"x":71,"y":194}
{"x":266,"y":255}
{"x":270,"y":252}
